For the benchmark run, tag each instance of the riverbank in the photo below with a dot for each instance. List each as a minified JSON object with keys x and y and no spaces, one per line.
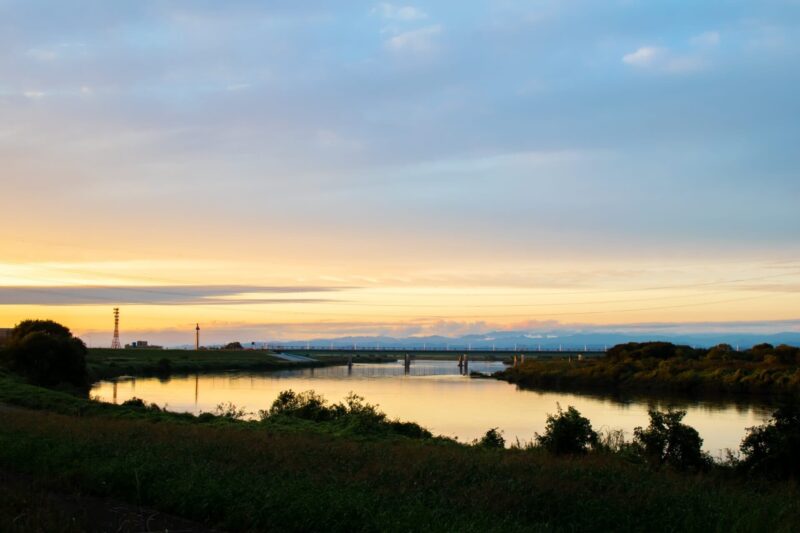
{"x":301,"y":475}
{"x":665,"y":368}
{"x":105,"y":363}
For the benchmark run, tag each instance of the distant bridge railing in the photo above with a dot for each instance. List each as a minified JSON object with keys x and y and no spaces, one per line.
{"x":448,"y":348}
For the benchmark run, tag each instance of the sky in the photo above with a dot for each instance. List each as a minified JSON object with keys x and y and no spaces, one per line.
{"x":285,"y":170}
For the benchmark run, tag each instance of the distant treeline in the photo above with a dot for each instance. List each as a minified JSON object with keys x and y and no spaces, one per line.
{"x":663,"y":366}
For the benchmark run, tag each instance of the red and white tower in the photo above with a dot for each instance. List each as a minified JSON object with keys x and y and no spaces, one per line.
{"x":115,"y":345}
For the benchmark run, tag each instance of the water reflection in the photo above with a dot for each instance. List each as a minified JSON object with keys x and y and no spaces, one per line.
{"x":440,"y":396}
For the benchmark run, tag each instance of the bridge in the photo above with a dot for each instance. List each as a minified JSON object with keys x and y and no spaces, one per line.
{"x":451,"y":353}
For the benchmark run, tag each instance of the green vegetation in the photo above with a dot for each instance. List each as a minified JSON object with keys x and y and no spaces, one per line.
{"x":105,"y":363}
{"x":664,"y":367}
{"x":292,"y":472}
{"x":772,"y":449}
{"x":667,"y":441}
{"x":567,"y":432}
{"x":492,"y":439}
{"x":306,"y":464}
{"x":46,"y":353}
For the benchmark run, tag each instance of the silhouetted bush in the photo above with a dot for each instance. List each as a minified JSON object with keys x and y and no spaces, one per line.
{"x":773,"y":449}
{"x":567,"y":433}
{"x":492,"y":439}
{"x":353,"y":415}
{"x":307,"y":405}
{"x":667,"y":441}
{"x":141,"y":405}
{"x":230,"y":411}
{"x":46,"y":353}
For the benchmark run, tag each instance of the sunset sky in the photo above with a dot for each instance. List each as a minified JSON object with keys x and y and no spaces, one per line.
{"x":290,"y":170}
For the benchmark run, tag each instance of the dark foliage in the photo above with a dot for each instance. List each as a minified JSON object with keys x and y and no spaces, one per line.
{"x":234,"y":346}
{"x":353,"y":415}
{"x":141,"y":405}
{"x":46,"y":353}
{"x":661,"y":366}
{"x":164,"y":366}
{"x":492,"y":439}
{"x":567,"y":433}
{"x":772,"y":449}
{"x":667,"y":441}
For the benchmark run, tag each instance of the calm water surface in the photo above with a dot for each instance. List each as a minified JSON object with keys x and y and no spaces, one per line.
{"x":436,"y":396}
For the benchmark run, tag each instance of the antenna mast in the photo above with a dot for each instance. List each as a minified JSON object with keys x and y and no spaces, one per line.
{"x":115,"y":345}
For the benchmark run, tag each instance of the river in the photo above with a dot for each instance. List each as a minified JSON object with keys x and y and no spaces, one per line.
{"x":435,"y":395}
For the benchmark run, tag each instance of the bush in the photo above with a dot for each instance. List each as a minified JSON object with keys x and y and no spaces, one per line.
{"x":230,"y":411}
{"x":141,"y":405}
{"x":47,"y":354}
{"x":772,"y":449}
{"x":353,"y":415}
{"x":492,"y":439}
{"x":307,"y":405}
{"x":667,"y":441}
{"x":567,"y":433}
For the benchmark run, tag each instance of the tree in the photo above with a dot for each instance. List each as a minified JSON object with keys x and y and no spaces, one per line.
{"x":668,"y":441}
{"x":234,"y":346}
{"x":46,"y":353}
{"x":772,"y":448}
{"x":567,"y":433}
{"x":720,"y":351}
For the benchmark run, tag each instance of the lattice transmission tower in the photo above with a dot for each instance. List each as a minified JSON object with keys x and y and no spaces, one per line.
{"x":115,"y":345}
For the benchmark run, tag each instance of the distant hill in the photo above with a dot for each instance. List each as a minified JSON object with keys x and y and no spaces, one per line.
{"x":547,"y":340}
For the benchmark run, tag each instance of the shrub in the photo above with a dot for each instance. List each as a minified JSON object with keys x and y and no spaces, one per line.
{"x":772,"y":448}
{"x":667,"y":441}
{"x":46,"y":353}
{"x":353,"y":415}
{"x":492,"y":439}
{"x":230,"y":411}
{"x":139,"y":404}
{"x":307,"y":405}
{"x":567,"y":433}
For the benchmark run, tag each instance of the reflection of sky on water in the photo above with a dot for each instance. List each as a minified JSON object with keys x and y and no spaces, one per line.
{"x":436,"y":396}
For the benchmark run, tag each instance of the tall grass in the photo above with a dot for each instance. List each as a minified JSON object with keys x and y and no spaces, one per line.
{"x":299,"y":474}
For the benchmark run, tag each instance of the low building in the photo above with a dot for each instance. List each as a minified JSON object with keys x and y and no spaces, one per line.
{"x":142,"y":345}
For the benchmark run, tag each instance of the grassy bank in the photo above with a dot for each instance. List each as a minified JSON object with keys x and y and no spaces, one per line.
{"x":299,"y":476}
{"x":663,"y":368}
{"x":104,"y":363}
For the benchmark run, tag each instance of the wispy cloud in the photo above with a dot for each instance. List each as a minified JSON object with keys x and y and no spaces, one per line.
{"x":417,"y":41}
{"x":402,"y":13}
{"x":662,"y":59}
{"x":708,"y":38}
{"x":157,"y":295}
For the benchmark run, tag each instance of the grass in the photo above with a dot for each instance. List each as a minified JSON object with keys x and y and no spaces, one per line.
{"x":105,"y":363}
{"x":294,"y":476}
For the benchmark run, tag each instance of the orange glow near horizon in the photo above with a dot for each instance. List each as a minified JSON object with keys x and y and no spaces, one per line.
{"x":376,"y":302}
